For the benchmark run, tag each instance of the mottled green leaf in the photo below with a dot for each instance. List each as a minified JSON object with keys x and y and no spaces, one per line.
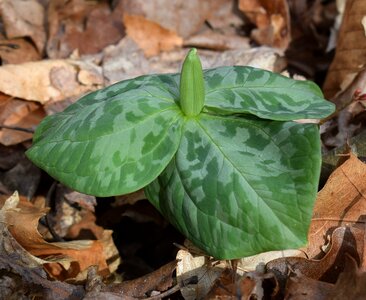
{"x":265,"y":94}
{"x":237,"y":187}
{"x":113,"y":141}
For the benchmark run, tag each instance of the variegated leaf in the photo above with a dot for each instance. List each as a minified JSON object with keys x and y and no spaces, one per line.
{"x":113,"y":141}
{"x":240,"y":186}
{"x":262,"y":93}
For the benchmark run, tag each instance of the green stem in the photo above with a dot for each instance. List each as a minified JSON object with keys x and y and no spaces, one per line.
{"x":192,"y":85}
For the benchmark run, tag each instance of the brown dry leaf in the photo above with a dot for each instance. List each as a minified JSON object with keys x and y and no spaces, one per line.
{"x":248,"y":286}
{"x":24,"y":19}
{"x":351,"y":48}
{"x":342,"y":201}
{"x":17,"y":51}
{"x":159,"y":280}
{"x":72,"y":257}
{"x":47,"y":80}
{"x":21,"y":114}
{"x":180,"y":16}
{"x":150,"y":36}
{"x":29,"y":277}
{"x":272,"y":19}
{"x":87,"y":26}
{"x":208,"y":270}
{"x":351,"y":284}
{"x":303,"y":288}
{"x":344,"y":240}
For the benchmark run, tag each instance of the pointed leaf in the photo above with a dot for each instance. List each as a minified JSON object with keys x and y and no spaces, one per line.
{"x":113,"y":141}
{"x":262,"y":93}
{"x":237,"y":187}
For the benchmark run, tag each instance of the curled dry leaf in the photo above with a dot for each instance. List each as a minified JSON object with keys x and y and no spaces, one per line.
{"x":15,"y":260}
{"x":64,"y":260}
{"x":151,"y":37}
{"x":272,"y":19}
{"x":24,"y":19}
{"x":351,"y":48}
{"x":342,"y":201}
{"x":47,"y":80}
{"x":344,"y":240}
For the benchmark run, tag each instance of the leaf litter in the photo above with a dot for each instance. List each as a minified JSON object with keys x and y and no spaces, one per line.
{"x":331,"y":266}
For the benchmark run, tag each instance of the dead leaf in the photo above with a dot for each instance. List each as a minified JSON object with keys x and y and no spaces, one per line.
{"x":24,"y":19}
{"x":300,"y":287}
{"x":272,"y":19}
{"x":150,"y":36}
{"x":47,"y":80}
{"x":27,"y":269}
{"x":159,"y":280}
{"x":342,"y":201}
{"x":71,"y":257}
{"x":351,"y":284}
{"x":351,"y":48}
{"x":17,"y":51}
{"x":181,"y":17}
{"x":209,"y":271}
{"x":21,"y":114}
{"x":344,"y":240}
{"x":87,"y":26}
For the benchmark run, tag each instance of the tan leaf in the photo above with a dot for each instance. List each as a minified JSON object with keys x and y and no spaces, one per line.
{"x":47,"y":80}
{"x":24,"y":19}
{"x":150,"y":36}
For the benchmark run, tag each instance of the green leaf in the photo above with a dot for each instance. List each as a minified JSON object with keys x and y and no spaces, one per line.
{"x":247,"y":90}
{"x":113,"y":141}
{"x":240,"y":186}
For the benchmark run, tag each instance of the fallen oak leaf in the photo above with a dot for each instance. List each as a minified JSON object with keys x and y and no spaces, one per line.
{"x":342,"y":201}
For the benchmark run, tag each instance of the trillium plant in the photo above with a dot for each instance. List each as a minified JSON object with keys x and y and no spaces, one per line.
{"x":216,"y":151}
